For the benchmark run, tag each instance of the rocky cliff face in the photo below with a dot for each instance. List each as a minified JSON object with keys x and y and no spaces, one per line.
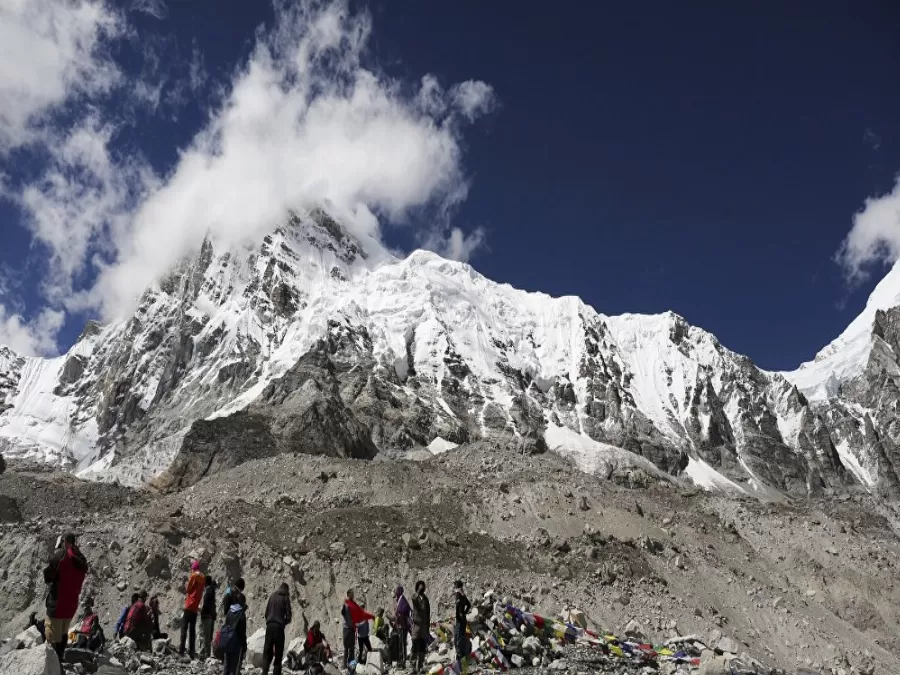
{"x":309,"y":342}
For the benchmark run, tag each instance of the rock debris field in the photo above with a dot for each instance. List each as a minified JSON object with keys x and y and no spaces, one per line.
{"x":567,"y":572}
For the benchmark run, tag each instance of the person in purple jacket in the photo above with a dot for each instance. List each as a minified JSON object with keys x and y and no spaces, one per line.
{"x":401,"y":622}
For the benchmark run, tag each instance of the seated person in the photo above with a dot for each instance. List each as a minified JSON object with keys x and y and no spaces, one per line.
{"x":316,"y":648}
{"x":89,"y":635}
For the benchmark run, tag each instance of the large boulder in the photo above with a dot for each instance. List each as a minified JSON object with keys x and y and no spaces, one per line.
{"x":374,"y":660}
{"x":36,"y":661}
{"x":710,"y":664}
{"x":30,"y":637}
{"x":255,"y":645}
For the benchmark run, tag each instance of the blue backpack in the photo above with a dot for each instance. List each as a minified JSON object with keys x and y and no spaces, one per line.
{"x":228,"y":634}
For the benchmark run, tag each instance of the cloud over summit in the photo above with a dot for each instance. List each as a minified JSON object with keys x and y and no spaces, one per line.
{"x":302,"y":121}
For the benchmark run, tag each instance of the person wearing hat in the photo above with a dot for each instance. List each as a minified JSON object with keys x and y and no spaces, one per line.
{"x":193,"y":590}
{"x":65,"y":573}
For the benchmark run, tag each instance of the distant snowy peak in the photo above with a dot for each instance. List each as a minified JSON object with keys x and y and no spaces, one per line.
{"x":847,"y":356}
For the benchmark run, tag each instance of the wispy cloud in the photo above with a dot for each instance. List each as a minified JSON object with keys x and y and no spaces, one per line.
{"x":50,"y":51}
{"x":874,"y":238}
{"x":155,"y":8}
{"x":872,"y":140}
{"x":30,"y":338}
{"x":302,"y":122}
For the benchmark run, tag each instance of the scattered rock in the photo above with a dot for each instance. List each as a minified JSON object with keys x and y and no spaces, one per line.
{"x":726,"y":644}
{"x":40,"y":660}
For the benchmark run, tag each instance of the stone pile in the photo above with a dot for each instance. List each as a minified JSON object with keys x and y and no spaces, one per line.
{"x":504,"y":637}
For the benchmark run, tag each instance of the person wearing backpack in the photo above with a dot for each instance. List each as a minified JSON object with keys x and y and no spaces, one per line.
{"x":207,"y":617}
{"x":193,"y":594}
{"x":315,"y":645}
{"x":64,"y":574}
{"x":90,"y":633}
{"x":139,"y":624}
{"x":119,"y":630}
{"x":278,"y":616}
{"x":233,"y":638}
{"x":234,"y":594}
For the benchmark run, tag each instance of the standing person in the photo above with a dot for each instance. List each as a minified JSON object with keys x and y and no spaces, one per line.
{"x":402,"y":622}
{"x":119,"y":630}
{"x":234,"y":638}
{"x":362,"y":637}
{"x":154,"y":616}
{"x":421,"y":626}
{"x":139,"y":624}
{"x":352,"y":615}
{"x":193,"y":595}
{"x":234,"y":595}
{"x":278,"y":616}
{"x":463,"y":607}
{"x":380,"y":627}
{"x":207,"y":617}
{"x":65,"y":573}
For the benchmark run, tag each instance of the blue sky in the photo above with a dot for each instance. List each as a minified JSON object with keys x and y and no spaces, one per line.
{"x":645,"y":156}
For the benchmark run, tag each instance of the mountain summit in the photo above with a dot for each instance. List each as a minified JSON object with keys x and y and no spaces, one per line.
{"x":309,"y":342}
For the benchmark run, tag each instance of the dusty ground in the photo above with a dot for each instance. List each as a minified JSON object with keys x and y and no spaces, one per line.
{"x":806,"y":584}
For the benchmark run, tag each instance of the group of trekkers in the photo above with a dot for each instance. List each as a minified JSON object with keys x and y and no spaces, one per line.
{"x":406,"y":629}
{"x":140,"y":620}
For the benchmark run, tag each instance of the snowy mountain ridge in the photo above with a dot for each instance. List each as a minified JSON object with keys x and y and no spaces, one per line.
{"x":846,"y":356}
{"x":310,"y":342}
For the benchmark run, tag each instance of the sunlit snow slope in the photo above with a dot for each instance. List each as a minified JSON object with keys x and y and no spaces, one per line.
{"x":311,"y":331}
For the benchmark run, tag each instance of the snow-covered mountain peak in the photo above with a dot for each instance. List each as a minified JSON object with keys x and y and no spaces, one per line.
{"x":309,"y":340}
{"x":846,"y":356}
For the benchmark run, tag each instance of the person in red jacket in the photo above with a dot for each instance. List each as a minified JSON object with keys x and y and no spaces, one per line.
{"x":193,"y":597}
{"x":352,"y":614}
{"x":315,"y":646}
{"x":65,"y":573}
{"x":139,"y":624}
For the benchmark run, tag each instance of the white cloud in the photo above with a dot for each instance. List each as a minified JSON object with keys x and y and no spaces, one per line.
{"x":37,"y":337}
{"x":473,"y":98}
{"x":303,"y":123}
{"x":874,"y":237}
{"x":155,"y":8}
{"x":50,"y":49}
{"x":82,"y":200}
{"x":197,"y":73}
{"x":455,"y":244}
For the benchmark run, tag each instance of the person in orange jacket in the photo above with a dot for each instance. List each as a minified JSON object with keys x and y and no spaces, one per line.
{"x":193,"y":596}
